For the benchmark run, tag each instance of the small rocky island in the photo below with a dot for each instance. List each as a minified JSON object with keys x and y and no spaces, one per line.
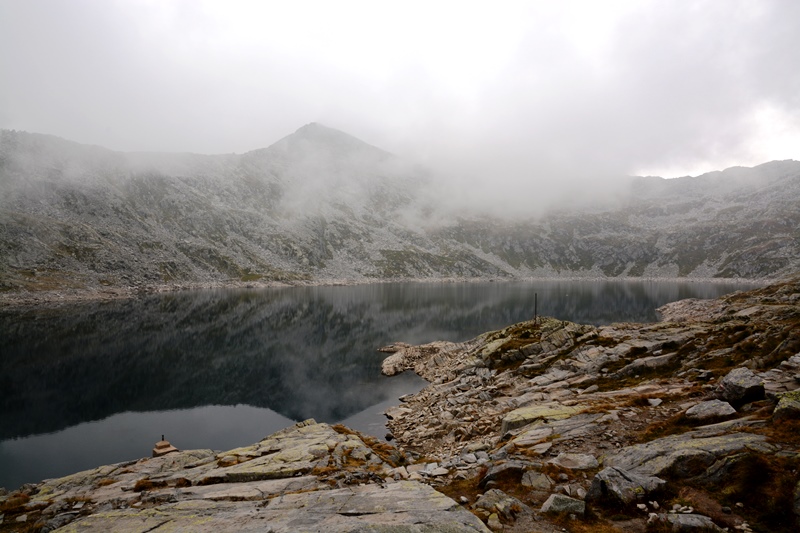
{"x":689,"y":424}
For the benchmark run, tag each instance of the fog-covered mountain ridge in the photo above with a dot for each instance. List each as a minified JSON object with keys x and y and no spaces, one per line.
{"x":320,"y":204}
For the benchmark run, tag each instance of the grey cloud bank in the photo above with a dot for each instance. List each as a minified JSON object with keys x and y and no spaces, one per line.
{"x":507,"y":99}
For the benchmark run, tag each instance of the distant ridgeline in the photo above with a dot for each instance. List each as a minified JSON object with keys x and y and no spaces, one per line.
{"x":321,"y":204}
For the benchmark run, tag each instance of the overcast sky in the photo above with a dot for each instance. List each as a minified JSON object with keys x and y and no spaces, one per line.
{"x":520,"y":89}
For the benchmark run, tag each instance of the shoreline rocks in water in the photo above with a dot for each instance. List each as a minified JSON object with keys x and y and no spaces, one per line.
{"x":687,"y":424}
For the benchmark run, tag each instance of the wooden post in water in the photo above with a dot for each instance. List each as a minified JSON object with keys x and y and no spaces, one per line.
{"x":535,"y":308}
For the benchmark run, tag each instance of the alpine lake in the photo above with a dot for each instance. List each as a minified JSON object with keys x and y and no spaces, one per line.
{"x":87,"y":384}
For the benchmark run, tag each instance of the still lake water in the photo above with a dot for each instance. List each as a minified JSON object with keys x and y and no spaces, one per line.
{"x":83,"y":385}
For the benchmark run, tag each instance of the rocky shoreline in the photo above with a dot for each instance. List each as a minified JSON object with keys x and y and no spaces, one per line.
{"x":22,"y":298}
{"x":628,"y":420}
{"x":692,"y":423}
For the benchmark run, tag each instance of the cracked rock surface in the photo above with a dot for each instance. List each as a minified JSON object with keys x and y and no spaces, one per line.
{"x":309,"y":477}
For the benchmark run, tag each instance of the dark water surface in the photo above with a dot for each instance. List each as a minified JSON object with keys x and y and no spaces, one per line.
{"x":90,"y":384}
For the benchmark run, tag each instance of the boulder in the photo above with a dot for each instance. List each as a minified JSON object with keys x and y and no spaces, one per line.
{"x":537,"y":481}
{"x":788,"y":406}
{"x":394,"y":364}
{"x":497,"y":501}
{"x":686,"y":455}
{"x":741,"y":386}
{"x":508,"y":468}
{"x":710,"y":409}
{"x":397,"y":412}
{"x":526,"y":415}
{"x":691,"y":522}
{"x":494,"y":522}
{"x":575,"y":461}
{"x":558,"y":503}
{"x":647,"y":363}
{"x":614,"y":485}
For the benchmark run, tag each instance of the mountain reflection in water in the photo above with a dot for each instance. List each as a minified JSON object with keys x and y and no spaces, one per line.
{"x":296,"y":353}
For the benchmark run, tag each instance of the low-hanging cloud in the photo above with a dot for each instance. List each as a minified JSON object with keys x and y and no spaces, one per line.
{"x":512,"y":104}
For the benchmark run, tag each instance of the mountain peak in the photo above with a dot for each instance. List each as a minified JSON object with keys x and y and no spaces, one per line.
{"x":314,"y":127}
{"x":318,"y":133}
{"x":315,"y":138}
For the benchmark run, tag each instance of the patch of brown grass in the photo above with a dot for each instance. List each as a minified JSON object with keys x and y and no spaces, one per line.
{"x":148,"y":484}
{"x":210,"y":481}
{"x":388,"y":453}
{"x":785,"y":432}
{"x":324,"y":470}
{"x":344,"y":430}
{"x":462,"y":487}
{"x":15,"y":503}
{"x":639,"y":400}
{"x":674,"y":425}
{"x":527,"y":452}
{"x":611,"y":381}
{"x":765,"y":484}
{"x":705,"y":504}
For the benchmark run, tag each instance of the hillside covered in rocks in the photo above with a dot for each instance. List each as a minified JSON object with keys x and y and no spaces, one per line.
{"x":688,"y":424}
{"x":322,"y":205}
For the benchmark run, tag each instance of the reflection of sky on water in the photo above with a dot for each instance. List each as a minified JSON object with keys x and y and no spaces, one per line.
{"x":130,"y":436}
{"x":90,"y":384}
